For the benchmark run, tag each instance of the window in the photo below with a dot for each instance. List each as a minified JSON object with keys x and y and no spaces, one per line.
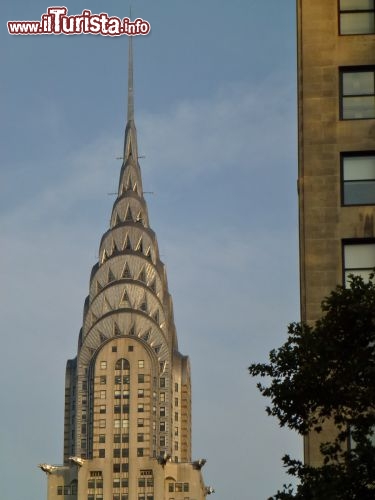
{"x":102,"y":453}
{"x":162,"y":382}
{"x":140,"y":437}
{"x":162,"y":441}
{"x":140,"y":422}
{"x":141,"y":393}
{"x":141,"y":363}
{"x":102,"y":423}
{"x":124,"y":483}
{"x":130,"y":348}
{"x":162,"y":427}
{"x":103,"y":365}
{"x":103,"y":394}
{"x":101,"y":438}
{"x":139,"y":452}
{"x":125,"y":467}
{"x":117,"y":409}
{"x":125,"y":452}
{"x":162,"y":411}
{"x":116,"y":482}
{"x":359,"y":259}
{"x":122,"y":364}
{"x":116,"y":467}
{"x":141,"y":407}
{"x":102,"y":409}
{"x":357,"y":93}
{"x":162,"y":397}
{"x":141,"y":378}
{"x":103,"y":379}
{"x":356,"y":17}
{"x":117,"y":423}
{"x":116,"y":438}
{"x":116,"y":453}
{"x":176,"y":387}
{"x":114,"y":348}
{"x":358,"y":178}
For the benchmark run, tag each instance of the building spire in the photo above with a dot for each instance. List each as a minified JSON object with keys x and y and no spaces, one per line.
{"x":130,"y":143}
{"x":130,"y":81}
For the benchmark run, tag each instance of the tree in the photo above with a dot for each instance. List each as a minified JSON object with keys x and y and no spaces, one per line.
{"x":326,"y":371}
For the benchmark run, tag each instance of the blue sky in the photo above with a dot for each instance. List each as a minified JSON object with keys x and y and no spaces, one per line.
{"x":215,"y":92}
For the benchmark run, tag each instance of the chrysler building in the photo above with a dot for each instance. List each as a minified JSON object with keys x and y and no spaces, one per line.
{"x":127,"y":431}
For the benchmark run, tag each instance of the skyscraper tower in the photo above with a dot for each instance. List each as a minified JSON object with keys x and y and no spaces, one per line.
{"x":127,"y":432}
{"x":336,"y":179}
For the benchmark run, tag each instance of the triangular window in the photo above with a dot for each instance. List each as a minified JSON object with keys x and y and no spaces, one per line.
{"x":143,"y":305}
{"x":140,"y":218}
{"x":129,"y":216}
{"x":156,"y":316}
{"x":98,"y":287}
{"x":135,"y":187}
{"x":148,"y":254}
{"x":125,"y":298}
{"x":104,"y":256}
{"x":117,"y":220}
{"x":153,"y":285}
{"x":102,"y":337}
{"x":111,"y":276}
{"x":117,"y":330}
{"x":142,"y":275}
{"x":129,"y":185}
{"x":127,"y":244}
{"x":126,"y":272}
{"x":139,"y":247}
{"x":157,"y":348}
{"x":146,"y":336}
{"x":132,"y":330}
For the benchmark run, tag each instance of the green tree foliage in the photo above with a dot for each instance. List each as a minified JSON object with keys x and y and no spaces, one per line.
{"x":326,"y":372}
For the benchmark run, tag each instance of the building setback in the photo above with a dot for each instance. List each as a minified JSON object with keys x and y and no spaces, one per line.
{"x":336,"y":180}
{"x":127,"y":432}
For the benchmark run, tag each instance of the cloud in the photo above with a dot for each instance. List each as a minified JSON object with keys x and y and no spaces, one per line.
{"x":241,"y":125}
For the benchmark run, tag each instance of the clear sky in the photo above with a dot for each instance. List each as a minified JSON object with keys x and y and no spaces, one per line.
{"x":215,"y":92}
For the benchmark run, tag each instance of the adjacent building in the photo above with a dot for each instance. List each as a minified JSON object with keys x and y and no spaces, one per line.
{"x":336,"y":179}
{"x":127,"y":433}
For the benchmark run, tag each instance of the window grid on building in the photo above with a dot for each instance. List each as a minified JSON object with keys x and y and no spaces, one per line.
{"x":357,"y":93}
{"x":357,"y":17}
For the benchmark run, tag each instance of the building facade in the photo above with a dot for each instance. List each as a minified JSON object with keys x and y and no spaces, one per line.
{"x":127,"y":432}
{"x":336,"y":179}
